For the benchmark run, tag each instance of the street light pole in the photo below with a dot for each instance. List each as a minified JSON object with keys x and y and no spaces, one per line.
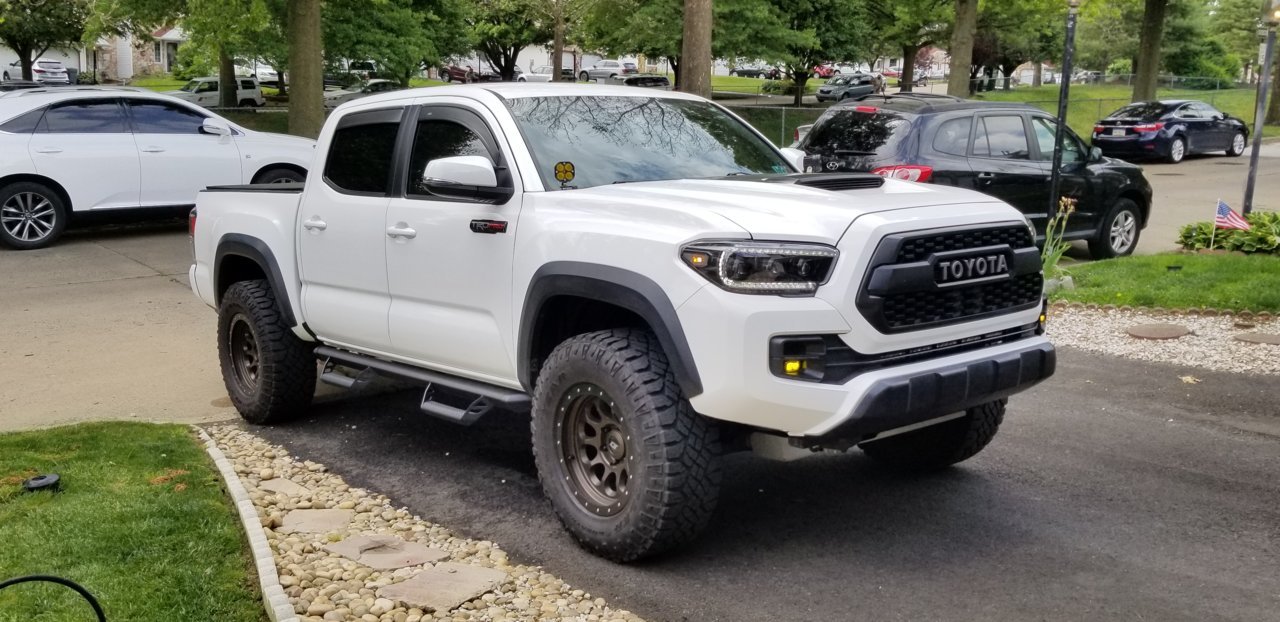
{"x":1064,"y":89}
{"x":1260,"y":107}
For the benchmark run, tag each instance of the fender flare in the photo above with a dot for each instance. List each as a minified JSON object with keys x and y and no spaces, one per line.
{"x":623,"y":288}
{"x":257,"y":251}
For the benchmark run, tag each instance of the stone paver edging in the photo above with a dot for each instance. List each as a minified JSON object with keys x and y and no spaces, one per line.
{"x":273,"y":597}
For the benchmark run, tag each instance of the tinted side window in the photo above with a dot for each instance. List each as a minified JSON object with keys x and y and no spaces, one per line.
{"x":1188,"y":112}
{"x":23,"y":124}
{"x":246,"y":85}
{"x":953,"y":136}
{"x":362,"y":152}
{"x":1001,"y":137}
{"x":164,"y":118}
{"x":86,"y":117}
{"x":436,"y":139}
{"x":1072,"y":151}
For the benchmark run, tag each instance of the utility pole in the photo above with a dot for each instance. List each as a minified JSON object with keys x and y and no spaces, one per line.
{"x":1272,"y":17}
{"x":1064,"y":89}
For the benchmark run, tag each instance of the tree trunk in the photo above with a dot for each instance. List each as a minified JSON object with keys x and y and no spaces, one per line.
{"x":962,"y":47}
{"x":1273,"y":104}
{"x":990,"y":72}
{"x":557,"y":42}
{"x":306,"y":71}
{"x":799,"y":79}
{"x":906,"y":81}
{"x":675,"y":71}
{"x":1037,"y":73}
{"x":695,"y":49}
{"x":227,"y":91}
{"x":1147,"y":69}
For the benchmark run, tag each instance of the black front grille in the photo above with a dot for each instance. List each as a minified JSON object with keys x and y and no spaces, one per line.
{"x":917,"y":248}
{"x":900,"y":292}
{"x":905,"y":311}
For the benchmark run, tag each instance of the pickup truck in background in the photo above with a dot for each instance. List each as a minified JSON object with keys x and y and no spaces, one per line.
{"x":639,"y":273}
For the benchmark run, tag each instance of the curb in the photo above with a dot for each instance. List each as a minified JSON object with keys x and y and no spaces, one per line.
{"x":273,"y":597}
{"x":1256,"y":316}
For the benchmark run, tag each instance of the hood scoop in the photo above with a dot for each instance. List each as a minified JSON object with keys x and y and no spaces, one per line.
{"x":825,"y":181}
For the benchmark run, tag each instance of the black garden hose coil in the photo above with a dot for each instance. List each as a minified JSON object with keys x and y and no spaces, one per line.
{"x":93,"y":602}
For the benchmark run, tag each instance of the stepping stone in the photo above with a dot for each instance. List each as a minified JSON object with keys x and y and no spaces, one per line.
{"x":286,"y":487}
{"x":1158,"y":331}
{"x":444,"y":586}
{"x":386,"y":552}
{"x":315,"y":521}
{"x":1259,"y":338}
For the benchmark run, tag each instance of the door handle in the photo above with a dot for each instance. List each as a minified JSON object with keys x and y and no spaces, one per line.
{"x":49,"y":150}
{"x":986,"y":178}
{"x":153,"y":149}
{"x":314,"y":224}
{"x":401,"y":231}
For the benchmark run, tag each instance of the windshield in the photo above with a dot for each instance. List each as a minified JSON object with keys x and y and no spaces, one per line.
{"x":851,"y":132}
{"x":606,"y":140}
{"x":1141,"y":111}
{"x":839,"y":81}
{"x":191,"y":86}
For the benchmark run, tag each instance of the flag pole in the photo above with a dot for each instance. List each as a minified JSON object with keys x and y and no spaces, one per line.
{"x":1214,"y":223}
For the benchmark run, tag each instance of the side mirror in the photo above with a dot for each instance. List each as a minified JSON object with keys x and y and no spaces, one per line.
{"x":215,"y":127}
{"x":1095,"y":154}
{"x":795,"y":157}
{"x":465,"y":177}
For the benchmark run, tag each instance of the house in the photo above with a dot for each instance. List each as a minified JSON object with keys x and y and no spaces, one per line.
{"x":1025,"y":73}
{"x":125,"y":57}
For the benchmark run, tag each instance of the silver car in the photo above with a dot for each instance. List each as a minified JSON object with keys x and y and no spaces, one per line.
{"x":606,"y":69}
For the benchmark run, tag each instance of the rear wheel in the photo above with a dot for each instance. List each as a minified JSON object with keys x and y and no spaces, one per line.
{"x":1177,"y":150}
{"x":248,"y":103}
{"x":942,"y":445}
{"x":32,"y":215}
{"x":1119,"y":233}
{"x":1237,"y":145}
{"x":270,"y":373}
{"x":584,"y":77}
{"x":280,"y":176}
{"x":630,"y":469}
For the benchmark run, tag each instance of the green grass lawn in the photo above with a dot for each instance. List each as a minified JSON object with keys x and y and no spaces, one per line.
{"x":141,"y":522}
{"x":1232,"y":282}
{"x":158,"y":83}
{"x":1091,"y":102}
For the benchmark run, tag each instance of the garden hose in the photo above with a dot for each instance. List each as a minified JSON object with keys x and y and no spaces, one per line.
{"x":93,"y":602}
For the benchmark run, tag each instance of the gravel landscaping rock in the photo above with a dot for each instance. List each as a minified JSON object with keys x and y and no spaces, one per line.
{"x":1210,"y":345}
{"x":323,"y":585}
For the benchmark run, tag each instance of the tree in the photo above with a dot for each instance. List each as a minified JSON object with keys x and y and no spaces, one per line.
{"x":1235,"y":24}
{"x":501,"y":28}
{"x":695,"y":49}
{"x":399,"y":35}
{"x":1108,"y":32}
{"x":306,"y":70}
{"x":1147,"y":65}
{"x":822,"y":30}
{"x":909,"y":25}
{"x":962,"y":36}
{"x":32,"y":27}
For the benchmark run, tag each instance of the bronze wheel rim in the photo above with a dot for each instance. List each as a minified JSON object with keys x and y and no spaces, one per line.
{"x":594,"y":449}
{"x":242,"y":345}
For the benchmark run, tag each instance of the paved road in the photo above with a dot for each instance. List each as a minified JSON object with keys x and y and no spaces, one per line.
{"x":1114,"y":492}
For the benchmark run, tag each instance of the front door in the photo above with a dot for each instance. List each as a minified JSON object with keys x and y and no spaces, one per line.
{"x":342,"y":228}
{"x":178,"y":160}
{"x":85,"y":145}
{"x":449,"y":268}
{"x":1001,"y":165}
{"x":1078,"y":180}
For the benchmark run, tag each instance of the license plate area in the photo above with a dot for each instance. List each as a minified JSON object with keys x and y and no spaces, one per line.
{"x":1118,"y":131}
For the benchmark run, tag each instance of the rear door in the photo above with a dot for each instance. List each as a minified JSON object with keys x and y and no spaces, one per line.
{"x":1000,"y":158}
{"x":177,"y":159}
{"x":342,"y":233}
{"x":85,"y":146}
{"x":945,"y":148}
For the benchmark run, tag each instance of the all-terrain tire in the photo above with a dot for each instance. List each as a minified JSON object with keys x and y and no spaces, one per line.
{"x":671,"y":453}
{"x":1118,"y":235}
{"x":270,"y":373}
{"x":32,"y":215}
{"x":942,"y":445}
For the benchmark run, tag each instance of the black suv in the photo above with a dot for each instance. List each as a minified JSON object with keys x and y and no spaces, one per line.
{"x":1001,"y":149}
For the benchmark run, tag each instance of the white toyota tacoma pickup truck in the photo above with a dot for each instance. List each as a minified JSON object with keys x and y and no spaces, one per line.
{"x":642,"y":274}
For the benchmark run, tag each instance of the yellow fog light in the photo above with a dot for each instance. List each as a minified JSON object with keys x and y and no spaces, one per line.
{"x":792,"y":368}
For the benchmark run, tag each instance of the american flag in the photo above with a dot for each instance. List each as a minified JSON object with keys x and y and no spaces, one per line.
{"x":1227,"y":218}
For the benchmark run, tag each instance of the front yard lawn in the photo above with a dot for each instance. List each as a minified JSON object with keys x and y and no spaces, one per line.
{"x":141,"y":522}
{"x":1234,"y":282}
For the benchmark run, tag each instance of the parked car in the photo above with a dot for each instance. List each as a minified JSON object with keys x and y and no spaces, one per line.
{"x":333,"y":99}
{"x":70,"y":150}
{"x":205,"y":92}
{"x":840,"y":88}
{"x":44,"y":70}
{"x":825,"y":70}
{"x":607,"y":69}
{"x":774,"y":73}
{"x":642,"y":80}
{"x":998,"y":148}
{"x":1169,"y":129}
{"x":749,"y":71}
{"x":467,"y":74}
{"x":542,"y":73}
{"x":891,"y":72}
{"x":717,"y":301}
{"x":263,"y":72}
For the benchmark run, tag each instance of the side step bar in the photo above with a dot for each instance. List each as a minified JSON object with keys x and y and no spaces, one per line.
{"x":487,"y":396}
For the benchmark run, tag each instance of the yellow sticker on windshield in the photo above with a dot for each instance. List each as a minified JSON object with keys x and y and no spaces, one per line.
{"x":564,"y":172}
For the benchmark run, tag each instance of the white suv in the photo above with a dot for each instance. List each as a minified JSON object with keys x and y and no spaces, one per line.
{"x":44,"y":71}
{"x":204,"y":92}
{"x":76,"y":149}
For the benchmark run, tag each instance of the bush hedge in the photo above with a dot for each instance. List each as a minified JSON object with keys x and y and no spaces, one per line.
{"x":1262,"y":237}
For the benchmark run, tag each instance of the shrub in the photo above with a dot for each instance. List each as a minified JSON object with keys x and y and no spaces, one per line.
{"x":1263,"y":236}
{"x":194,"y":62}
{"x":787,"y":87}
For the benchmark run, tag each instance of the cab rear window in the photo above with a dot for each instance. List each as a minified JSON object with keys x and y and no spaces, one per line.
{"x":856,"y":132}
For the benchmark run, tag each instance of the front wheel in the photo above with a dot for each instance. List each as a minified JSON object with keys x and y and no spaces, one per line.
{"x":270,"y":373}
{"x":1237,"y":145}
{"x":1177,"y":150}
{"x":941,"y":445}
{"x":1119,"y":233}
{"x":584,"y":77}
{"x":280,"y":176}
{"x":32,"y":215}
{"x":630,"y":469}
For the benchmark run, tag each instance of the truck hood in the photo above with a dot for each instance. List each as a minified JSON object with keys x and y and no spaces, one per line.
{"x":778,"y":210}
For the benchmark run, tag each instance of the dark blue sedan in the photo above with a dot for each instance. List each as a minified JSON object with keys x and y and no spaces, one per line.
{"x":1169,"y":129}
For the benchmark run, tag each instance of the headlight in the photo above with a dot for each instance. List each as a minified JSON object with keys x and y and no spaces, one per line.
{"x":762,"y":267}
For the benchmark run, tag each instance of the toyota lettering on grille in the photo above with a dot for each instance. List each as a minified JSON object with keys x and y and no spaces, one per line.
{"x":970,"y":268}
